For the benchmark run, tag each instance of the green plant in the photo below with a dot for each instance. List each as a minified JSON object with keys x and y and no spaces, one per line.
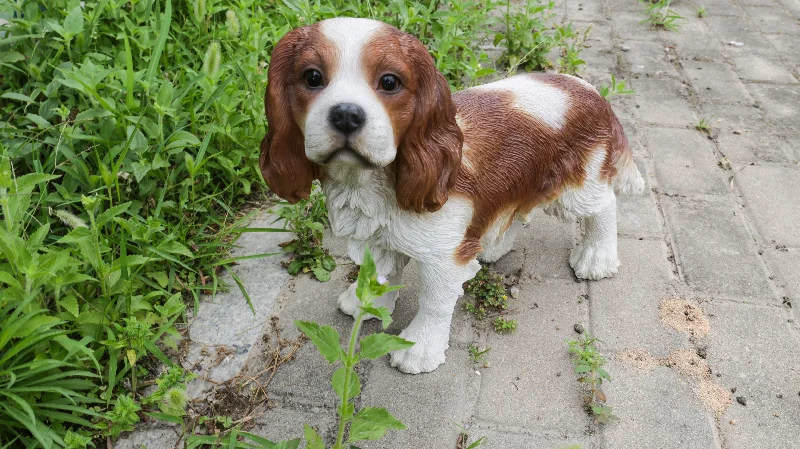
{"x":589,"y":366}
{"x":370,"y":423}
{"x":570,"y":44}
{"x":478,"y":355}
{"x":504,"y":325}
{"x":660,"y":15}
{"x":488,"y":292}
{"x":308,"y":219}
{"x":701,"y":11}
{"x":122,"y":417}
{"x":615,"y":88}
{"x":526,"y":37}
{"x":463,"y":439}
{"x":704,"y":125}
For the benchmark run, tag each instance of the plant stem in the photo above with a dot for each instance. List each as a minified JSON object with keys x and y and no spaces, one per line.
{"x":348,"y":364}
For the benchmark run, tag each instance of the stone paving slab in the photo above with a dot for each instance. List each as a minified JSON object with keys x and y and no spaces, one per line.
{"x":503,"y":437}
{"x":714,"y":249}
{"x":749,"y":147}
{"x":625,"y":308}
{"x":535,"y":388}
{"x":773,"y":195}
{"x":663,"y":102}
{"x":656,"y":409}
{"x":758,"y":357}
{"x":685,"y":162}
{"x":432,"y":405}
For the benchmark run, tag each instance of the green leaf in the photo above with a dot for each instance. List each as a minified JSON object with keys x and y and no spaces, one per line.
{"x":365,"y":273}
{"x":377,"y":345}
{"x":16,"y":96}
{"x":70,"y":304}
{"x":371,"y":423}
{"x":322,"y":274}
{"x":175,"y":248}
{"x":338,"y":384}
{"x":163,"y":35}
{"x":313,"y":440}
{"x":380,"y":312}
{"x":73,"y":24}
{"x":325,"y":338}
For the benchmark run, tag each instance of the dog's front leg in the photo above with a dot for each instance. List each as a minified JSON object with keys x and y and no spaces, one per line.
{"x":440,"y":288}
{"x":349,"y":302}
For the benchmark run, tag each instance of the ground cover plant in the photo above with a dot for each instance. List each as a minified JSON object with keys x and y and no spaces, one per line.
{"x":129,"y":134}
{"x":489,"y":297}
{"x":589,"y":367}
{"x":660,"y":15}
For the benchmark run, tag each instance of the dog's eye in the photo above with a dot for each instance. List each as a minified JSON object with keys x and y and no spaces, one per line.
{"x":389,"y":83}
{"x":313,"y":78}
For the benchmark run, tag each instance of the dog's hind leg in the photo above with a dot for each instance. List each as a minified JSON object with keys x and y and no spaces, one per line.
{"x":596,"y":257}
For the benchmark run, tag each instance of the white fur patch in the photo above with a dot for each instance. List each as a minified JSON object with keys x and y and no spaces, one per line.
{"x":541,"y":101}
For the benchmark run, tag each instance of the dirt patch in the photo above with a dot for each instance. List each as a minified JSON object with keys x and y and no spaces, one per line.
{"x":639,"y":358}
{"x":690,"y":366}
{"x":684,"y":316}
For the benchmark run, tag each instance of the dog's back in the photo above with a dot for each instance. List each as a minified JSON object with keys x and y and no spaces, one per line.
{"x":530,"y":138}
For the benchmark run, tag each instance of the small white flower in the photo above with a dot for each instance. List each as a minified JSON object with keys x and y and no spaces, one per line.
{"x":382,"y":280}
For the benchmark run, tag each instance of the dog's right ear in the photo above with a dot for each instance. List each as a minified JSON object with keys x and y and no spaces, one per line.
{"x":283,"y":162}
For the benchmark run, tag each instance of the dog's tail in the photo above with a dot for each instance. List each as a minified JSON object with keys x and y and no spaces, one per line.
{"x":627,"y":180}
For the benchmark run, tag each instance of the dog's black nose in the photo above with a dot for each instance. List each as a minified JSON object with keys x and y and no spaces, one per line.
{"x":346,"y":117}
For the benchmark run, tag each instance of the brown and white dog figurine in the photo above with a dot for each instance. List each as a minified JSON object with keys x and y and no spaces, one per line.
{"x":418,"y":173}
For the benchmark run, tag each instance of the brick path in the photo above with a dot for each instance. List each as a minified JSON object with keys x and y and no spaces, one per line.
{"x":720,"y":225}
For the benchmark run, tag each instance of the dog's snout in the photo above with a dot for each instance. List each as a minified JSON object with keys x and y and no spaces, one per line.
{"x":347,"y":117}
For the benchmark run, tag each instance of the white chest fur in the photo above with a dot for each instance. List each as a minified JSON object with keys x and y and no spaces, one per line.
{"x":362,"y":205}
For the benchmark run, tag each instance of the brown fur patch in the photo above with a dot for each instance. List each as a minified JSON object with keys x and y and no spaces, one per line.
{"x":423,"y":117}
{"x":517,"y":162}
{"x":283,"y":162}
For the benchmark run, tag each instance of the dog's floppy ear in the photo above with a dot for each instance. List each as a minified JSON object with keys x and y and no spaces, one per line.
{"x":283,"y":162}
{"x":429,"y":155}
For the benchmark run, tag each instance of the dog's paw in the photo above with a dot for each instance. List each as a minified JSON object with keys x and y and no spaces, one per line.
{"x":425,"y":356}
{"x":594,"y":261}
{"x":349,"y":302}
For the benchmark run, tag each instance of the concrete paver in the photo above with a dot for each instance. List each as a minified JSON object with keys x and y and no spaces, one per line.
{"x":758,"y":357}
{"x":657,"y":409}
{"x":773,"y":195}
{"x":536,"y":388}
{"x":625,"y":307}
{"x":685,"y":163}
{"x":715,"y":250}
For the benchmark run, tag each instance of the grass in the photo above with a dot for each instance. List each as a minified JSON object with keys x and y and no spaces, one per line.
{"x":615,"y":88}
{"x":701,"y":11}
{"x":307,"y":220}
{"x":477,"y":355}
{"x":589,"y":367}
{"x":659,"y":15}
{"x":704,"y":125}
{"x":128,"y":160}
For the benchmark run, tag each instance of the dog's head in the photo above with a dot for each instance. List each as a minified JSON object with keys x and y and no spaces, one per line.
{"x":362,"y":94}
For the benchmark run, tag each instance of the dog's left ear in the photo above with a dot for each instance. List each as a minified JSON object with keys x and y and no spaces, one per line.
{"x":429,"y":155}
{"x":283,"y":161}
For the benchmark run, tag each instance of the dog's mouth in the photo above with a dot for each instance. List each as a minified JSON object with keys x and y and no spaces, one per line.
{"x":348,"y":156}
